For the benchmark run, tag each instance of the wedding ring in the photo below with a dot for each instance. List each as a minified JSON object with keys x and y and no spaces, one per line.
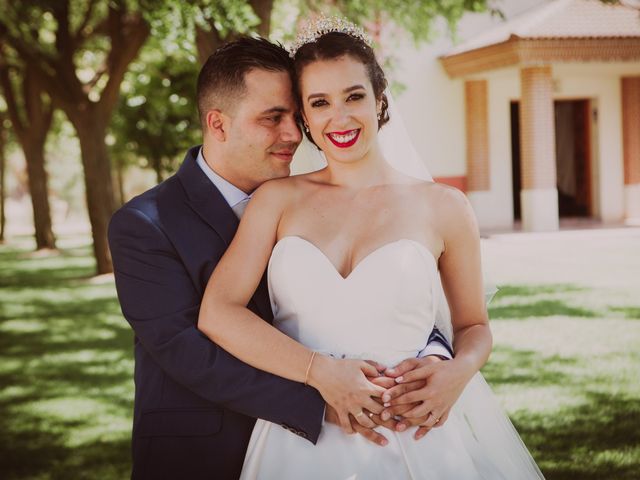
{"x":370,"y":414}
{"x":359,"y":413}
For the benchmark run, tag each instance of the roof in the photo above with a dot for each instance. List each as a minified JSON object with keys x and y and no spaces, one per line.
{"x":562,"y":19}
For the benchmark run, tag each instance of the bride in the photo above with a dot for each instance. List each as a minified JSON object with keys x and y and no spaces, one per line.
{"x":355,"y":253}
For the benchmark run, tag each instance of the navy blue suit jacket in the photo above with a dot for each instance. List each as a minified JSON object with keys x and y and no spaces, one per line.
{"x":195,"y":404}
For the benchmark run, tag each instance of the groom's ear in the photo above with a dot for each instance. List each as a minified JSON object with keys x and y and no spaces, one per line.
{"x":215,"y":123}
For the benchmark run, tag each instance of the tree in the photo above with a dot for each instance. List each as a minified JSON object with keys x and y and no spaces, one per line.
{"x":30,"y":114}
{"x":156,"y":120}
{"x":79,"y":52}
{"x":208,"y":23}
{"x":4,"y":127}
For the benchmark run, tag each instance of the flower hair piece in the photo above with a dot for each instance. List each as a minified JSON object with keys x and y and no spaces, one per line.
{"x":322,"y":25}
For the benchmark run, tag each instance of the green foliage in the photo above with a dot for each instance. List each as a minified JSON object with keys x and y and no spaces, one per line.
{"x":173,"y":22}
{"x":156,"y":119}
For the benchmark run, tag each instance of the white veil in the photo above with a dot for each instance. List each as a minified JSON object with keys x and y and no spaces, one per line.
{"x":492,"y":440}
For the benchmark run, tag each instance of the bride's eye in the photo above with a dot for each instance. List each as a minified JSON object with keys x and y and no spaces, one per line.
{"x":356,"y":96}
{"x":318,"y":103}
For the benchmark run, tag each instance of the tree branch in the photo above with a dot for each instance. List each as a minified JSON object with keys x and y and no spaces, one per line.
{"x":79,"y":35}
{"x":10,"y":98}
{"x":125,"y":45}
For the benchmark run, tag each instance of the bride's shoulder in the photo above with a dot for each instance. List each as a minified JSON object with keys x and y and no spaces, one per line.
{"x":451,"y":205}
{"x":280,"y":189}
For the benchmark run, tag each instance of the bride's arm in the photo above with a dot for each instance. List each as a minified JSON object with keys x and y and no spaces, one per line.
{"x":225,"y":319}
{"x":461,"y":274}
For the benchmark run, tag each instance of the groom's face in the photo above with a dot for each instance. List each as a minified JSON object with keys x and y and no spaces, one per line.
{"x":262,"y":132}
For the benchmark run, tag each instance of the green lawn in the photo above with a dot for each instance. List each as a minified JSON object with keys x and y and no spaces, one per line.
{"x":565,"y":364}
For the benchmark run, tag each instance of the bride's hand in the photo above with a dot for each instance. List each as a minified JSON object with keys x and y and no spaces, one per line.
{"x":435,"y":385}
{"x":344,"y":385}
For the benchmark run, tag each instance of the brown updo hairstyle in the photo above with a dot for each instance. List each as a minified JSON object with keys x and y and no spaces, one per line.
{"x":334,"y":45}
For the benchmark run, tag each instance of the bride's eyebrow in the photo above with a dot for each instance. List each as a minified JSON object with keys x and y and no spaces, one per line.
{"x":346,"y":90}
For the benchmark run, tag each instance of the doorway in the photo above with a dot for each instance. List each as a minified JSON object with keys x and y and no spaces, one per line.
{"x":573,"y":157}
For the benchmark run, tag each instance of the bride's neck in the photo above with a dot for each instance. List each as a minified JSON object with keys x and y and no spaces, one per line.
{"x":369,"y":171}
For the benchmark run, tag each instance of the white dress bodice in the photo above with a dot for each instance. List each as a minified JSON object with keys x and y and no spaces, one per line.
{"x":359,"y":315}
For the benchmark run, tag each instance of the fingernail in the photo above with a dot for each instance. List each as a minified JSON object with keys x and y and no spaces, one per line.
{"x":391,"y":370}
{"x":384,"y":442}
{"x":402,"y":427}
{"x":386,"y":397}
{"x":385,"y":416}
{"x":386,"y":404}
{"x":399,"y":379}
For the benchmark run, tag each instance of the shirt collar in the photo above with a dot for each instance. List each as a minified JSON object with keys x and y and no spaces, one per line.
{"x":232,"y":194}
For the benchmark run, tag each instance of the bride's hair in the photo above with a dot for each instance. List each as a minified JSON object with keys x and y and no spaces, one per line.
{"x":334,"y":45}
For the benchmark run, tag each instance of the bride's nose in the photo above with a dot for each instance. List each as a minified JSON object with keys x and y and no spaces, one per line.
{"x":341,"y":114}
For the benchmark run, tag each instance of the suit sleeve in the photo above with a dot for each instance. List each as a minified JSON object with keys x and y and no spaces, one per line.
{"x":437,"y":345}
{"x":161,"y":303}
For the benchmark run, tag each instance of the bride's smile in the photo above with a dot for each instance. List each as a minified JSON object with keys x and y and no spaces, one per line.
{"x":340,"y":109}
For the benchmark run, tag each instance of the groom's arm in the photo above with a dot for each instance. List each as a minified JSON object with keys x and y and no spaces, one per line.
{"x":438,"y":346}
{"x":160,"y":302}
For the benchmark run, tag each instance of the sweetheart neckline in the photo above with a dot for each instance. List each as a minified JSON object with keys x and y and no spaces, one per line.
{"x":363,"y":259}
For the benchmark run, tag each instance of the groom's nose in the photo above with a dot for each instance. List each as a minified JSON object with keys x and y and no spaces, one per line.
{"x":290,"y":131}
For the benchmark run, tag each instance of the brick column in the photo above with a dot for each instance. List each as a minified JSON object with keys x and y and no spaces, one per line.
{"x":477,"y":134}
{"x":478,"y":178}
{"x":539,"y":195}
{"x":631,"y":144}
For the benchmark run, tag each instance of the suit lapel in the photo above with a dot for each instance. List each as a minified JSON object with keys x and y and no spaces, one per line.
{"x":207,"y":201}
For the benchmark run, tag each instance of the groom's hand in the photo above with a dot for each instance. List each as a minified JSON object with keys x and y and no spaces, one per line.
{"x":370,"y":434}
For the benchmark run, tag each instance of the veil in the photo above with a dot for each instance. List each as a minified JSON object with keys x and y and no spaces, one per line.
{"x":492,"y":438}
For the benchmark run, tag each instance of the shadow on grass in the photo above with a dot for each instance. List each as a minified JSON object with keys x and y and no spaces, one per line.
{"x":632,"y":313}
{"x":512,"y":366}
{"x":541,"y":308}
{"x":531,"y":290}
{"x":35,"y":452}
{"x":527,"y":301}
{"x":66,"y":364}
{"x":597,"y":440}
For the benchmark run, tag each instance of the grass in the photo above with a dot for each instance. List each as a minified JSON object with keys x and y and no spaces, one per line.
{"x":565,"y":365}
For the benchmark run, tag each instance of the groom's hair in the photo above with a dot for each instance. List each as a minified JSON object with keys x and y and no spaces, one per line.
{"x":221,"y":80}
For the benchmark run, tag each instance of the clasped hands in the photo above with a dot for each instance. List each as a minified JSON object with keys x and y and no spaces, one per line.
{"x":418,"y":392}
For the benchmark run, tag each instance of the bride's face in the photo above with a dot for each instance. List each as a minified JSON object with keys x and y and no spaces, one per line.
{"x":340,"y":108}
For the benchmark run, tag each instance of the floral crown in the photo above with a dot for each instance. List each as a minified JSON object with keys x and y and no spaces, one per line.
{"x":322,"y":25}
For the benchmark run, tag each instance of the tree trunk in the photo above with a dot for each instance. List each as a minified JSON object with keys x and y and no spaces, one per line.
{"x":156,"y":162}
{"x":263,"y":9}
{"x":34,"y":154}
{"x":119,"y":187}
{"x":3,"y":186}
{"x":91,"y":132}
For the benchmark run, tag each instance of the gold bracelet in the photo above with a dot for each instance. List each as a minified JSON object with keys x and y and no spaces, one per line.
{"x":306,"y":375}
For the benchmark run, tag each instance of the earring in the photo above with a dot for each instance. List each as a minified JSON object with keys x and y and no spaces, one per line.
{"x":306,"y":128}
{"x":379,"y":115}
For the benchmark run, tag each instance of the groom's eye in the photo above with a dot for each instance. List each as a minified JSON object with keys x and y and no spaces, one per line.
{"x":274,"y":118}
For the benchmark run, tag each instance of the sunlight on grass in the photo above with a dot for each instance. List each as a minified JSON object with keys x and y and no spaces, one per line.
{"x":565,"y":365}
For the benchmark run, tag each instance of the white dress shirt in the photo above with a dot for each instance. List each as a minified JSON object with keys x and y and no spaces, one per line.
{"x":232,"y":194}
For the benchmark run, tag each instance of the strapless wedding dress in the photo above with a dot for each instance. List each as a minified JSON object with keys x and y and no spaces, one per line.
{"x":383,"y":310}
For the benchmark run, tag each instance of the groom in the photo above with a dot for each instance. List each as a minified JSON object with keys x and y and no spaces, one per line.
{"x":195,"y":404}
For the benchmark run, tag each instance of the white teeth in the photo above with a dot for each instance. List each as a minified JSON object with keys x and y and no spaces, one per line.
{"x":344,"y":138}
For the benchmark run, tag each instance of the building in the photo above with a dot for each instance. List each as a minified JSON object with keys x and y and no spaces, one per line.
{"x":535,"y":117}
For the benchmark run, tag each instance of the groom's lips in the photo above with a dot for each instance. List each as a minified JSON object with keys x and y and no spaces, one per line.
{"x":284,"y":155}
